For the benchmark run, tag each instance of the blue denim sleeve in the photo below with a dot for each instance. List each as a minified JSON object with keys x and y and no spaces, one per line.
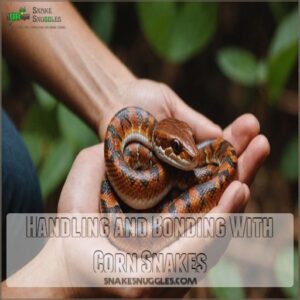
{"x":20,"y":187}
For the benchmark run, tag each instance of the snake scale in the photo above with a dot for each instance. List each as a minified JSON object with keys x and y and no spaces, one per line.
{"x":157,"y":167}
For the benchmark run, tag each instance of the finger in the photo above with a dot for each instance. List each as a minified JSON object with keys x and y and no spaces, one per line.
{"x":242,"y":131}
{"x":203,"y":128}
{"x":234,"y":199}
{"x":247,"y":198}
{"x":81,"y":190}
{"x":252,"y":158}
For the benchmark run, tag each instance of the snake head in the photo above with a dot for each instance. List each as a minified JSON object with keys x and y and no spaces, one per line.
{"x":173,"y":143}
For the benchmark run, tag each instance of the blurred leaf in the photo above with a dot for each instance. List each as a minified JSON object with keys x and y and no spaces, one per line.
{"x":216,"y":278}
{"x":74,"y":130}
{"x":177,"y":32}
{"x":5,"y":76}
{"x":286,"y":34}
{"x":283,"y":55}
{"x":156,"y":19}
{"x":193,"y":29}
{"x":261,"y":72}
{"x":45,"y":99}
{"x":56,"y":166}
{"x":41,"y":121}
{"x":241,"y":66}
{"x":284,"y":269}
{"x":103,"y":19}
{"x":279,"y":70}
{"x":34,"y":143}
{"x":289,"y":160}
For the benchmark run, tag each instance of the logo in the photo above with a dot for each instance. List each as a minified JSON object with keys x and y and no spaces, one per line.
{"x":17,"y":16}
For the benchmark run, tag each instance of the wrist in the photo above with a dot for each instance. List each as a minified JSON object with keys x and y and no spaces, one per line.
{"x":115,"y":99}
{"x":99,"y":88}
{"x":103,"y":82}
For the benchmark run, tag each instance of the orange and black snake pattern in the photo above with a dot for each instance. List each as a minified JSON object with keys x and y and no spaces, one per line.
{"x":157,"y":167}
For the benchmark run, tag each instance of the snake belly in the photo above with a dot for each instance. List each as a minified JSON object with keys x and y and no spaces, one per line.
{"x":135,"y":175}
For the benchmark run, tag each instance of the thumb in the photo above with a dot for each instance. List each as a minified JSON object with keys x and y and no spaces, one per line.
{"x":81,"y":190}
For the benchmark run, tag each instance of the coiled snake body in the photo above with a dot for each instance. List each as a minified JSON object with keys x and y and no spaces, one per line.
{"x":148,"y":162}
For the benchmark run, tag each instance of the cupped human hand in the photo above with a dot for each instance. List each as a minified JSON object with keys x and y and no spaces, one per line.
{"x":80,"y":195}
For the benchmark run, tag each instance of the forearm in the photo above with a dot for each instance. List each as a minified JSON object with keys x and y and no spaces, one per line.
{"x":70,"y":62}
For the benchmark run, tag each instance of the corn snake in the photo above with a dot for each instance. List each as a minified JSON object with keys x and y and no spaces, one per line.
{"x":157,"y":167}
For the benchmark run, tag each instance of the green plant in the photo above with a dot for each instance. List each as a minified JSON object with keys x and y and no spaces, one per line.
{"x":282,"y":55}
{"x":241,"y":66}
{"x":177,"y":31}
{"x":273,"y":71}
{"x":270,"y":73}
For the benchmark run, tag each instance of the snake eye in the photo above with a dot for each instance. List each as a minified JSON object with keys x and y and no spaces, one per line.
{"x":176,"y":146}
